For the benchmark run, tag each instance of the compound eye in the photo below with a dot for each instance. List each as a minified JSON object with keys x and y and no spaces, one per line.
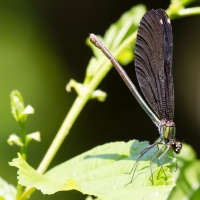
{"x":173,"y":144}
{"x":177,"y":151}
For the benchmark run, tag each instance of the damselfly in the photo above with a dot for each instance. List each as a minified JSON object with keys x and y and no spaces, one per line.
{"x":153,"y":65}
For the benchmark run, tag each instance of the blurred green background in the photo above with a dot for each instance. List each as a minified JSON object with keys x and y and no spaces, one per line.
{"x":42,"y":46}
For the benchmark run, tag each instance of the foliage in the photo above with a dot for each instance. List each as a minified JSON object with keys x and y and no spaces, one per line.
{"x":101,"y":172}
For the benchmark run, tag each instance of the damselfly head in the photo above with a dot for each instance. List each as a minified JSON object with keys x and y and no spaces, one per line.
{"x":176,"y":146}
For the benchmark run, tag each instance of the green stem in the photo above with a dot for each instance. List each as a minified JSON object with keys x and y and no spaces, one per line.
{"x":19,"y":191}
{"x":189,"y":12}
{"x":183,"y":12}
{"x":23,"y":150}
{"x":23,"y":138}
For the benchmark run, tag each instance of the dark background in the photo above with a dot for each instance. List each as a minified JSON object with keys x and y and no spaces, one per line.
{"x":42,"y":46}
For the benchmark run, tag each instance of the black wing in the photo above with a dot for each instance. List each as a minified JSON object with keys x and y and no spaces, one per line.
{"x":153,"y":62}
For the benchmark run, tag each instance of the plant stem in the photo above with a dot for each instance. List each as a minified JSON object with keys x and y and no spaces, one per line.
{"x":189,"y":12}
{"x":23,"y":138}
{"x":183,"y":12}
{"x":23,"y":150}
{"x":19,"y":191}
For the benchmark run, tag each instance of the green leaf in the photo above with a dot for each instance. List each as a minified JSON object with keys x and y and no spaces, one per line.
{"x":33,"y":136}
{"x":187,"y":175}
{"x":99,"y":95}
{"x":7,"y":191}
{"x":28,"y":110}
{"x":15,"y":139}
{"x":101,"y":172}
